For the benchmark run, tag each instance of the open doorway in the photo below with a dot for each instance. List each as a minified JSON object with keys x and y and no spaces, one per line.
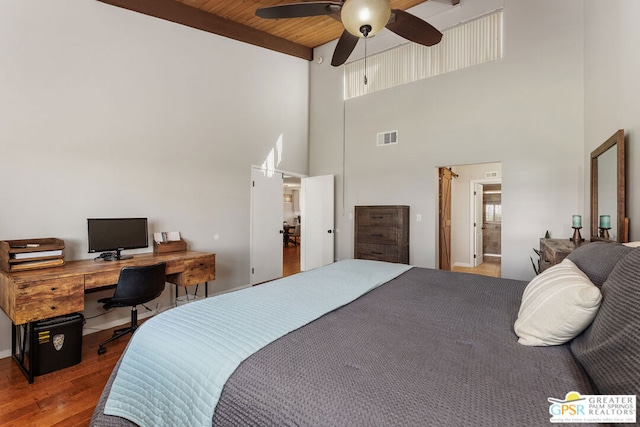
{"x":315,"y":204}
{"x":475,"y":219}
{"x":492,"y":220}
{"x":291,"y":225}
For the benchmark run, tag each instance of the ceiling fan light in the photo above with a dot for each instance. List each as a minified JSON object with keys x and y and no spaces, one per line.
{"x":356,"y":14}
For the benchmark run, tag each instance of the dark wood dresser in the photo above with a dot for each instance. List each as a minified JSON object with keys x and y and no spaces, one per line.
{"x":382,"y":233}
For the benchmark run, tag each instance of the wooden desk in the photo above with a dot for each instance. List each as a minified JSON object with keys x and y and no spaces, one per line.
{"x":29,"y":296}
{"x":32,"y":295}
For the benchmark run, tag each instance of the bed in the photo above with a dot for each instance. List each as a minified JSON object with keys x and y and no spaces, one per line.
{"x":426,"y":347}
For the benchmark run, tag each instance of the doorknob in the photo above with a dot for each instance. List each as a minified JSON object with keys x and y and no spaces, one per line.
{"x":281,"y":231}
{"x":329,"y":231}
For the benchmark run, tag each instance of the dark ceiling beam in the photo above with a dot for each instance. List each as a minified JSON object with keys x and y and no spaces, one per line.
{"x":180,"y":13}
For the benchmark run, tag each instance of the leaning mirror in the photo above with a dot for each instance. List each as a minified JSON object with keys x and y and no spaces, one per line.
{"x":608,"y":217}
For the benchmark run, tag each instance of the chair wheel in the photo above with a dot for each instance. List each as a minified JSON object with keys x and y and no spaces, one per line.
{"x":102,"y":350}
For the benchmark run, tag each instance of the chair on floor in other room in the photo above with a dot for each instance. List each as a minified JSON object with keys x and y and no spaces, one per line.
{"x":294,"y":236}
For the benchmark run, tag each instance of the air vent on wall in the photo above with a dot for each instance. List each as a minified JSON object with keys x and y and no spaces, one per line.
{"x":493,"y":174}
{"x":387,"y":138}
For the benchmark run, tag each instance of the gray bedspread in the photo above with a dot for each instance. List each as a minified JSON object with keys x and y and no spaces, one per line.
{"x":430,"y":348}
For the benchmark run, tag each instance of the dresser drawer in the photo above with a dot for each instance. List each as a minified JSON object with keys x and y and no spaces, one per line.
{"x":377,"y":252}
{"x":379,"y":216}
{"x":378,"y":235}
{"x":48,"y":298}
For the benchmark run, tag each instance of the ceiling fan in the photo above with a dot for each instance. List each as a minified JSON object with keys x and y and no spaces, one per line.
{"x":361,"y":18}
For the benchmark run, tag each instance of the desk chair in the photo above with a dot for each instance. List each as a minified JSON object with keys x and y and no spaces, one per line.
{"x":136,"y":285}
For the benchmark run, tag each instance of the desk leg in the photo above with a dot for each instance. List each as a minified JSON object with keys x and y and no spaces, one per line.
{"x":186,"y":294}
{"x":19,"y":336}
{"x":175,"y":300}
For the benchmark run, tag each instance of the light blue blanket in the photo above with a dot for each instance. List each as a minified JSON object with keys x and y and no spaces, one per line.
{"x":177,"y":363}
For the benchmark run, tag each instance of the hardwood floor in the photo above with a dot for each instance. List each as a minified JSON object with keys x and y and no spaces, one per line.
{"x":488,"y":268}
{"x":290,"y":260}
{"x":63,"y":398}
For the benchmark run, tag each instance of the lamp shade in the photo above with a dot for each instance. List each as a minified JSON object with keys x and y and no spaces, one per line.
{"x":358,"y":13}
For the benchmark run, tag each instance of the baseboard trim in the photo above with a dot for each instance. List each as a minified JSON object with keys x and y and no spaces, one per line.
{"x":462,"y":264}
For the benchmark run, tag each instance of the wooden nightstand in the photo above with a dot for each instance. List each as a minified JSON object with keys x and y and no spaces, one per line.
{"x":553,"y":251}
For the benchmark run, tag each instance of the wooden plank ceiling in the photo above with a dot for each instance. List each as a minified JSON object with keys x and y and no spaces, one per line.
{"x":236,"y":19}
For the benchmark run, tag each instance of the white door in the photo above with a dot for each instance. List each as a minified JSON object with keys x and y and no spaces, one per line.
{"x":266,"y":225}
{"x":477,"y":224}
{"x":316,"y":231}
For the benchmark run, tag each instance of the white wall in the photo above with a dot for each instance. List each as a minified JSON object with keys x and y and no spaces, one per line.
{"x":525,"y":111}
{"x":287,"y":207}
{"x":109,"y":113}
{"x":612,"y":89}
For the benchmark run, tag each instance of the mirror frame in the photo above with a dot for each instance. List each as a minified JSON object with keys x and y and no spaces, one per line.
{"x":616,"y":140}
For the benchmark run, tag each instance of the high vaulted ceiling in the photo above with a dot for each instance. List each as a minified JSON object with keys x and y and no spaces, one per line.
{"x":236,"y":19}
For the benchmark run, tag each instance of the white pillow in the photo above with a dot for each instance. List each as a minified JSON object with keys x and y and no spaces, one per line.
{"x":632,"y":244}
{"x":556,"y":306}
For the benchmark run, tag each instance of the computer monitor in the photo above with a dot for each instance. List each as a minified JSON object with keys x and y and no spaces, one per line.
{"x":112,"y":235}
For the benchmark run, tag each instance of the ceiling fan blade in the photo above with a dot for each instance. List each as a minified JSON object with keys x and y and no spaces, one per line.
{"x":345,"y":46}
{"x":413,"y":28}
{"x":299,"y":10}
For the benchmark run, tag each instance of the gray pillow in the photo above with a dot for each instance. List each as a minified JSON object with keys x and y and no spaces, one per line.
{"x":597,"y":259}
{"x":609,"y":349}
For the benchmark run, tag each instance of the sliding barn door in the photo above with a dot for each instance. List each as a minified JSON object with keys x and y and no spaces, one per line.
{"x":445,"y":176}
